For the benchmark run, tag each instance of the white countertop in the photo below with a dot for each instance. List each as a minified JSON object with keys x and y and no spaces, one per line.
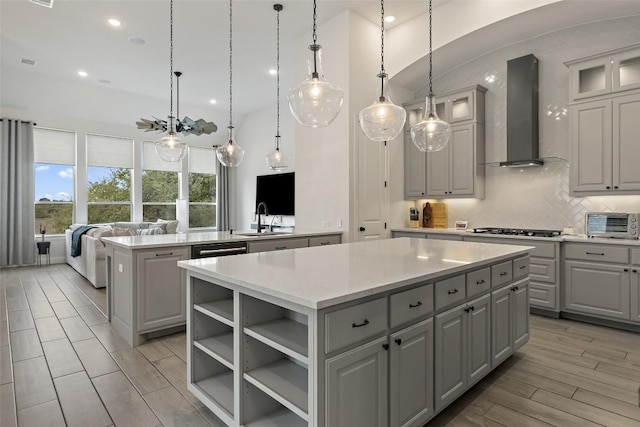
{"x":328,"y":275}
{"x":187,"y":239}
{"x":577,"y":238}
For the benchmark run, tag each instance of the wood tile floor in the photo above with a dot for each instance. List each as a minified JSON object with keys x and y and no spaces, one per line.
{"x":62,"y":364}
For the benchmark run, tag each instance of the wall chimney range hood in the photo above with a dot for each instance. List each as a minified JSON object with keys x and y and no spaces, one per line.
{"x":522,"y":112}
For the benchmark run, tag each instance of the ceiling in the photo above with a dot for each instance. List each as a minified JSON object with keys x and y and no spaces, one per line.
{"x":74,"y":35}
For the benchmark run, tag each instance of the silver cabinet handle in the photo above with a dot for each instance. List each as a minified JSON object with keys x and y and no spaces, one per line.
{"x":218,"y":251}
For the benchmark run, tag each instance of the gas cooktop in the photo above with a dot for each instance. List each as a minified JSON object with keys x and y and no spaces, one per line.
{"x":518,"y":232}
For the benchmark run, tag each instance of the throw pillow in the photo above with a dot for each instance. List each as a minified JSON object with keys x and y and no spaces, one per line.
{"x":151,"y":231}
{"x":100,"y":232}
{"x":171,"y":225}
{"x":120,"y":231}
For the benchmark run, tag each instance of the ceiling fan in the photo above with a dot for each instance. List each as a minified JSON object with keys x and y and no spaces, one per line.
{"x":186,"y":126}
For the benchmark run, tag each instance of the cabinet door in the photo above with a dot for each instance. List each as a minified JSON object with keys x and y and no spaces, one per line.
{"x":161,"y":288}
{"x":356,"y":389}
{"x":414,"y":170}
{"x":626,"y":146}
{"x":411,"y":375}
{"x":626,"y":70}
{"x":520,"y":314}
{"x":451,"y":356}
{"x":501,"y":325}
{"x":462,"y":161}
{"x":460,"y":106}
{"x":590,"y":78}
{"x":438,"y":172}
{"x":635,"y":294}
{"x":591,"y":147}
{"x":601,"y":289}
{"x":479,"y":338}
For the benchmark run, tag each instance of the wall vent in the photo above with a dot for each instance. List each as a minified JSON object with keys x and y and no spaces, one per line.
{"x":47,"y":3}
{"x":26,"y":61}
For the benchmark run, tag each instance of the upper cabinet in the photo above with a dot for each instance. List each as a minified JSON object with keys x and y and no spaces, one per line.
{"x":605,"y":127}
{"x":458,"y":169}
{"x":606,"y":73}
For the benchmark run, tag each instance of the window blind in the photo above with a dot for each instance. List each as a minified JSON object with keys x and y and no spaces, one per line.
{"x":54,"y":146}
{"x":109,"y":151}
{"x":151,"y":160}
{"x":202,"y":160}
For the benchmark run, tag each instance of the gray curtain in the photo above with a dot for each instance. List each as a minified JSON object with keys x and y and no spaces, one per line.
{"x":222,"y":197}
{"x":17,"y":182}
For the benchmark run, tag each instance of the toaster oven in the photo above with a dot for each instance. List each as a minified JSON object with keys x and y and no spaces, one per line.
{"x":612,"y":224}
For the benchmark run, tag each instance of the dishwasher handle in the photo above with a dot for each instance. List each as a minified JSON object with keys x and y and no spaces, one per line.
{"x":222,"y":252}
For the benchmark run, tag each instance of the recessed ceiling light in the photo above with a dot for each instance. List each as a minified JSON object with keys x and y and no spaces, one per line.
{"x":136,"y":40}
{"x":213,"y":101}
{"x":389,"y":18}
{"x":26,"y":61}
{"x":83,"y":73}
{"x":114,"y":22}
{"x":273,"y":72}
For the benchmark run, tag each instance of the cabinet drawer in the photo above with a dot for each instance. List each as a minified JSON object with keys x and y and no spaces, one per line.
{"x":478,"y":282}
{"x":324,"y":240}
{"x":415,"y":235}
{"x":542,"y":295}
{"x":635,"y":256}
{"x":411,"y":304}
{"x":356,"y":323}
{"x":450,"y":291}
{"x":277,"y":245}
{"x":501,"y":274}
{"x":602,"y":253}
{"x":520,"y":267}
{"x":543,"y":270}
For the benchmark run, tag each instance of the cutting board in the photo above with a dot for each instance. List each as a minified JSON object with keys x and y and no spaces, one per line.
{"x":434,"y":215}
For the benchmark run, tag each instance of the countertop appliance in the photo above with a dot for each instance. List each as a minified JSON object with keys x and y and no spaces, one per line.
{"x":621,"y":225}
{"x":524,"y":232}
{"x":210,"y":250}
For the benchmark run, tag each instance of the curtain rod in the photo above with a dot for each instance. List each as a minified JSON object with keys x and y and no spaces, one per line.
{"x":22,"y":121}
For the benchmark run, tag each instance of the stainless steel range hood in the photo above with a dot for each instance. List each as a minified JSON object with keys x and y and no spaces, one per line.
{"x":522,"y":112}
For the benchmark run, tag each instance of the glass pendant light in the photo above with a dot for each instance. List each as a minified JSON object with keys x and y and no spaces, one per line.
{"x":230,"y":154}
{"x":315,"y":102}
{"x":432,"y":133}
{"x":275,"y":159}
{"x":172,"y":147}
{"x":382,"y":120}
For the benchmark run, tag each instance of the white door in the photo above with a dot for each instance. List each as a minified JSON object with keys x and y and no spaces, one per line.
{"x":371,"y":188}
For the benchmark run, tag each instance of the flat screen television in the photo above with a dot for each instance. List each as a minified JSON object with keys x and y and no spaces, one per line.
{"x":277,"y":192}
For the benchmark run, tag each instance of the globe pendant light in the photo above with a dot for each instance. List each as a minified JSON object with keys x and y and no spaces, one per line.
{"x":315,"y":102}
{"x":382,"y":120}
{"x":275,"y":159}
{"x":172,"y":147}
{"x":230,"y":154}
{"x":432,"y":133}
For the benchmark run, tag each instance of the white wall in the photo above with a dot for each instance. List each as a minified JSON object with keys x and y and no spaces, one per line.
{"x":535,"y":197}
{"x":257,"y":137}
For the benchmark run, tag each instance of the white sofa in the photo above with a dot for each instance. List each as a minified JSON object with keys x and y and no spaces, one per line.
{"x":91,"y":262}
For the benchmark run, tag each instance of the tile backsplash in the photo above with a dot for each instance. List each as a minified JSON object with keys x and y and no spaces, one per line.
{"x":536,"y":197}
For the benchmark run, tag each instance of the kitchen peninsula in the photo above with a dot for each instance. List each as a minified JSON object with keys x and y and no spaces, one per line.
{"x":376,"y":333}
{"x":146,"y":291}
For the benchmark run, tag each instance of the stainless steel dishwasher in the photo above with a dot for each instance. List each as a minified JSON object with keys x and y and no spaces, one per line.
{"x":210,"y":250}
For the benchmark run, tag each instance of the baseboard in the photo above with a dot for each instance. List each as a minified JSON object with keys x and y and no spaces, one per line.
{"x":543,"y":312}
{"x":600,"y":322}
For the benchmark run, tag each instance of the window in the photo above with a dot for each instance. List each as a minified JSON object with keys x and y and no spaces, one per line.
{"x":202,"y":187}
{"x":54,"y":156}
{"x":109,"y":164}
{"x":160,"y":183}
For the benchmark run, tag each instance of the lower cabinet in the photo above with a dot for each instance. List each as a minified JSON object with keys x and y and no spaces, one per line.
{"x":510,"y":322}
{"x":357,"y":386}
{"x":161,"y":288}
{"x":463,"y":351}
{"x":411,"y":375}
{"x":278,"y":245}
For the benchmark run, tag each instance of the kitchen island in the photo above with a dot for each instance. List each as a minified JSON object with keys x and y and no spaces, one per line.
{"x":146,"y":292}
{"x":377,"y":333}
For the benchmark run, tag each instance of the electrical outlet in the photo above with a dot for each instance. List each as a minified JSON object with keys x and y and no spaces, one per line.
{"x":339,"y":223}
{"x":120,"y":268}
{"x":325,"y":224}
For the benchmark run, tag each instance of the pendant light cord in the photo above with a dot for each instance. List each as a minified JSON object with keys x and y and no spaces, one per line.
{"x":430,"y":53}
{"x":171,"y":65}
{"x":278,"y":8}
{"x":230,"y":68}
{"x":314,"y":46}
{"x":382,"y":74}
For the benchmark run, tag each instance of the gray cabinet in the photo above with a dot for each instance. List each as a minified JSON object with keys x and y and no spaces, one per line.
{"x":325,"y":240}
{"x":635,"y":285}
{"x":462,"y":343}
{"x":161,"y":288}
{"x":411,"y":375}
{"x":509,"y":327}
{"x":357,"y":387}
{"x":278,"y":244}
{"x":415,"y":180}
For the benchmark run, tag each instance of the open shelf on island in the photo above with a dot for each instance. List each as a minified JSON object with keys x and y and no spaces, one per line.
{"x":285,"y":335}
{"x":219,"y":389}
{"x":221,"y":310}
{"x":279,"y":418}
{"x":220,"y":347}
{"x":286,"y":382}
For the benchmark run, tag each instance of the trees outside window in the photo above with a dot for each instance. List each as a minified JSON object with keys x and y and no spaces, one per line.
{"x":159,"y":194}
{"x":109,"y":194}
{"x":202,"y":200}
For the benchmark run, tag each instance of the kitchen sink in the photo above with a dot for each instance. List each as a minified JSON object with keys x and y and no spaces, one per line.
{"x":264,"y":233}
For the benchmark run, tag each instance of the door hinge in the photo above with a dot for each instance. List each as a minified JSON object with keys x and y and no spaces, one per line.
{"x":385,"y":184}
{"x":385,"y":143}
{"x":385,"y":225}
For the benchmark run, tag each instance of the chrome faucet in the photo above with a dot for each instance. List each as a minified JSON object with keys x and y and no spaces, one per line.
{"x":266,"y":212}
